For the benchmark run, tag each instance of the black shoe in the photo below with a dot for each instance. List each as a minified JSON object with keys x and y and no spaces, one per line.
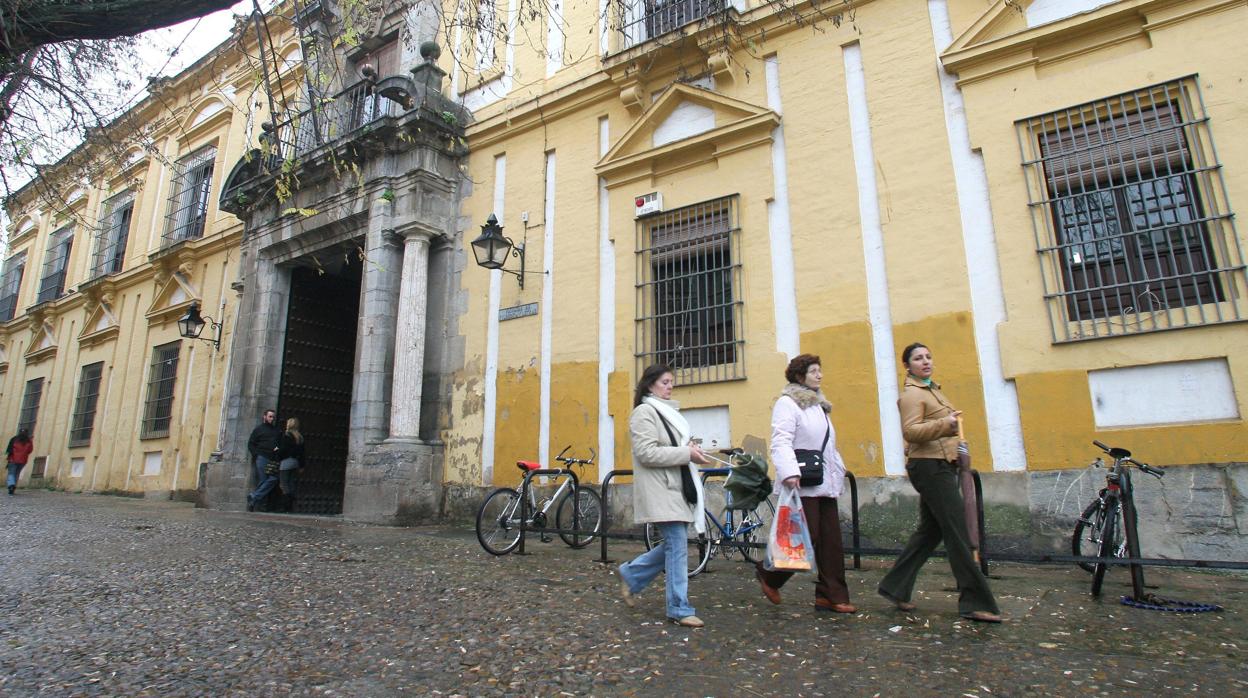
{"x":251,"y":504}
{"x":11,"y":488}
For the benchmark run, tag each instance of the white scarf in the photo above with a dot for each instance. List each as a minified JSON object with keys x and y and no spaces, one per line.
{"x":681,"y":426}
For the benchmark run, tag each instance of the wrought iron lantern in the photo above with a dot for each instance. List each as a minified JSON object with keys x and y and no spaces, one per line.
{"x":491,"y":249}
{"x":192,"y":324}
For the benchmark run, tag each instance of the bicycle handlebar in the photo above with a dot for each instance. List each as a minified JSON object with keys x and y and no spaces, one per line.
{"x":1125,"y":456}
{"x":593,"y":455}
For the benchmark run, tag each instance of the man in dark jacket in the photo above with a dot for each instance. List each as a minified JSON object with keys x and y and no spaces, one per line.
{"x":261,"y":443}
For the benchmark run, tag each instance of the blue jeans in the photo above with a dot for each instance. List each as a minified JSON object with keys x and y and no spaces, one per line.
{"x":671,"y":557}
{"x":15,"y":469}
{"x":261,"y":461}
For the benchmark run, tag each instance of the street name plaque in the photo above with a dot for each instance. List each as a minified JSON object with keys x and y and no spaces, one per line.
{"x":517,"y":311}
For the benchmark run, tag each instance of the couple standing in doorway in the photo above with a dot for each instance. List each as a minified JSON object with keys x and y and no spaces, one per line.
{"x":277,"y":456}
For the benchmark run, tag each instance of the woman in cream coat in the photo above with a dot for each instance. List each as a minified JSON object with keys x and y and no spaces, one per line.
{"x":661,"y":447}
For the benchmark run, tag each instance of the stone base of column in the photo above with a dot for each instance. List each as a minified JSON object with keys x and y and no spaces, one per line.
{"x":225,"y":484}
{"x":398,"y":482}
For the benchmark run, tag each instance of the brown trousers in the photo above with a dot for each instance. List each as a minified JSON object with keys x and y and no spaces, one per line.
{"x":825,"y":534}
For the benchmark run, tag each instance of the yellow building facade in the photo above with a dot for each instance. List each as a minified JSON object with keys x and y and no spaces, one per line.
{"x":98,"y":269}
{"x":1041,"y":192}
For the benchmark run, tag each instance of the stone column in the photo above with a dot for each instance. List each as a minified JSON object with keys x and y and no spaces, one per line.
{"x":374,"y":358}
{"x":409,"y":340}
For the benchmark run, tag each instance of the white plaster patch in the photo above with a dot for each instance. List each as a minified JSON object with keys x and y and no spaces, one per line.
{"x":784,"y":293}
{"x":77,"y":466}
{"x":687,"y":119}
{"x":1172,"y":393}
{"x":711,"y":424}
{"x":1045,"y":11}
{"x":606,"y":314}
{"x":152,"y":460}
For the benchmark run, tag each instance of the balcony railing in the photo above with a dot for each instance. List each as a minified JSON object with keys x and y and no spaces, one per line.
{"x":353,"y":108}
{"x":646,"y":19}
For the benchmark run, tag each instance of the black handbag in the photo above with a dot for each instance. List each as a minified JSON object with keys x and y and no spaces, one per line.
{"x":687,"y":488}
{"x":811,"y":462}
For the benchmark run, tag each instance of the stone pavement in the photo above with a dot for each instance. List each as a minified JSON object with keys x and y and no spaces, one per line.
{"x":112,"y":596}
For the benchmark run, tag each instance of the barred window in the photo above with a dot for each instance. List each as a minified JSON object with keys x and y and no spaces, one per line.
{"x":11,"y":285}
{"x":52,"y":285}
{"x":689,"y":312}
{"x":643,"y":20}
{"x":160,"y":380}
{"x":188,"y":202}
{"x":84,"y":407}
{"x":1131,"y":215}
{"x":112,"y":236}
{"x":30,"y":406}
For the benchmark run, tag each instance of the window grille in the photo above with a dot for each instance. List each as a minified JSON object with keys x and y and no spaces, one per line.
{"x":30,"y":405}
{"x":645,"y":19}
{"x":188,"y":202}
{"x":112,"y":236}
{"x":160,"y":381}
{"x":689,"y":312}
{"x":1133,"y":225}
{"x":84,"y":407}
{"x":52,"y":285}
{"x":11,"y":285}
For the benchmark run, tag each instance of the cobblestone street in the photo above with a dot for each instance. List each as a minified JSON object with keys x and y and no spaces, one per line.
{"x":111,"y":596}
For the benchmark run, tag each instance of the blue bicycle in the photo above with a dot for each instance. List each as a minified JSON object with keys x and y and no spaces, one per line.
{"x":727,"y":528}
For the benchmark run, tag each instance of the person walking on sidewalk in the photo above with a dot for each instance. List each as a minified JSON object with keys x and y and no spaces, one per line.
{"x":666,"y":491}
{"x":290,"y":458}
{"x":802,"y":435}
{"x":929,"y":424}
{"x":17,"y":453}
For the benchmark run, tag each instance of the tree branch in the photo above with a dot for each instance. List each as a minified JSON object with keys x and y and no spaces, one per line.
{"x":32,"y":24}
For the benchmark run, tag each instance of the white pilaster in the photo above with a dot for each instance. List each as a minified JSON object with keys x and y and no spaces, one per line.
{"x":491,"y":338}
{"x":979,"y":242}
{"x":606,"y":314}
{"x":548,"y":303}
{"x":784,"y":293}
{"x":878,"y":309}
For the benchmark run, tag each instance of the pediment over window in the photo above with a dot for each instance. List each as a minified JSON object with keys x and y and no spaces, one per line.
{"x":101,"y":325}
{"x":1011,"y":35}
{"x":172,"y":298}
{"x":687,"y":124}
{"x":42,"y":343}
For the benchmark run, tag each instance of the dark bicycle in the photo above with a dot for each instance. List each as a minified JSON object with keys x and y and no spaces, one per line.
{"x":1107,"y":527}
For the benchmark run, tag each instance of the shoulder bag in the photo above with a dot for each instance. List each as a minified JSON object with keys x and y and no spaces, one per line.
{"x":811,"y":462}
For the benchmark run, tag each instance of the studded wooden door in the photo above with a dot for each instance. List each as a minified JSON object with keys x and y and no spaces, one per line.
{"x":318,"y":367}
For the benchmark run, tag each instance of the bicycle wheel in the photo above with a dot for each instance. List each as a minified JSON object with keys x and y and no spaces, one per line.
{"x":1107,"y":545}
{"x":1085,"y":540}
{"x":589,"y":506}
{"x":498,"y":521}
{"x":755,"y":527}
{"x":700,"y":545}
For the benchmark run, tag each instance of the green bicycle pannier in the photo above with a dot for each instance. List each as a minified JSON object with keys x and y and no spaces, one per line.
{"x":748,"y":483}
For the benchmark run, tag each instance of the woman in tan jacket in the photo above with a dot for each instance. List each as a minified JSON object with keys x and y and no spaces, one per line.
{"x":661,"y":449}
{"x":929,"y":423}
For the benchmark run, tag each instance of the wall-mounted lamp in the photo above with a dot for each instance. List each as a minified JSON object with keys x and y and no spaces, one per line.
{"x":491,"y":249}
{"x":192,"y":324}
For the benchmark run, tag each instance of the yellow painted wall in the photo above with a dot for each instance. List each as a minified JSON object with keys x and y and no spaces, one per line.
{"x":114,"y":458}
{"x":928,"y":274}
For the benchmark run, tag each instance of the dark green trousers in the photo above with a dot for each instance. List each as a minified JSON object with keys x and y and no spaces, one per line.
{"x":941,"y":518}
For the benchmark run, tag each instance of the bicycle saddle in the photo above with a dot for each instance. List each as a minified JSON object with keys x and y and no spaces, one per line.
{"x":528,"y":465}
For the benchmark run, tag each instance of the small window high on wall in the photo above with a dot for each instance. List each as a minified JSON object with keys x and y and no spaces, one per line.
{"x":1132,"y":222}
{"x":689,"y":309}
{"x":55,"y":265}
{"x":188,"y":203}
{"x":112,"y":235}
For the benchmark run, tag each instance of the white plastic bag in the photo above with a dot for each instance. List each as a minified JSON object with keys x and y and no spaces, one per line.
{"x":788,"y":546}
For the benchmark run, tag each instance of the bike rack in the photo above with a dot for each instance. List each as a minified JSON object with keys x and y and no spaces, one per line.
{"x":606,"y":511}
{"x":525,"y":487}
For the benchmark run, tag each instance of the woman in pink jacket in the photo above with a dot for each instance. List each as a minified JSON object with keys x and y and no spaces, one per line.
{"x":800,"y":428}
